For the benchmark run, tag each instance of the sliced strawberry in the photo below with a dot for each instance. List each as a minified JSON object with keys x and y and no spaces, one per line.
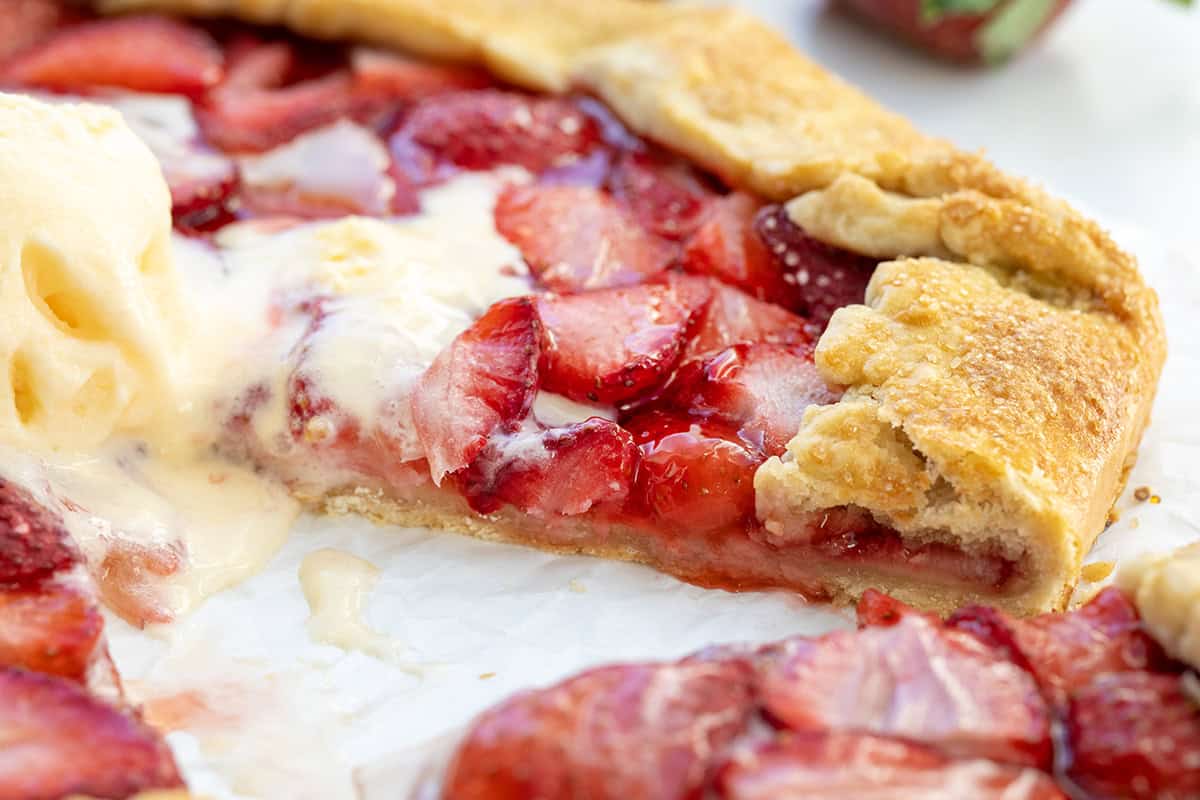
{"x":577,"y":237}
{"x":251,"y":63}
{"x":255,"y":120}
{"x":59,"y":741}
{"x":762,"y":389}
{"x":695,"y":475}
{"x":145,"y":54}
{"x":559,"y":472}
{"x":848,"y":765}
{"x":1065,"y":651}
{"x":202,"y":190}
{"x":335,"y":171}
{"x":876,"y":609}
{"x":482,"y":383}
{"x":130,"y":580}
{"x":614,"y":733}
{"x":24,"y":23}
{"x":734,"y":317}
{"x":33,"y":542}
{"x":390,"y":77}
{"x":484,"y":129}
{"x":53,"y":629}
{"x":824,"y":278}
{"x":726,"y":246}
{"x":611,"y":345}
{"x":1135,"y":736}
{"x":912,"y":680}
{"x":666,"y":195}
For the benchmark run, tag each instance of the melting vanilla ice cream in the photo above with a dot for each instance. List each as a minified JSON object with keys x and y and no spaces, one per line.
{"x":89,"y":307}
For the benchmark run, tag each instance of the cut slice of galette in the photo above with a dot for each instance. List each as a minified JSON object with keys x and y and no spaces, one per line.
{"x":624,"y":279}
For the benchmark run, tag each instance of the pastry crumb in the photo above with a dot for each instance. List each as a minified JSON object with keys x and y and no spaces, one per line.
{"x":1141,"y":494}
{"x":486,"y":676}
{"x":1133,"y":523}
{"x":576,"y":586}
{"x":1097,"y":571}
{"x":1155,"y":499}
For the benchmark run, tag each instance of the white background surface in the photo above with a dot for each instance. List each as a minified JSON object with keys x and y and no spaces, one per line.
{"x":1106,"y":111}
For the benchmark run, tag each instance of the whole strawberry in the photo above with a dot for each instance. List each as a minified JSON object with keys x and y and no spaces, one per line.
{"x":967,"y":31}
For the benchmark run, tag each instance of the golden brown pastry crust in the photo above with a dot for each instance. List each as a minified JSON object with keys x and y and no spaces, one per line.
{"x":997,"y":390}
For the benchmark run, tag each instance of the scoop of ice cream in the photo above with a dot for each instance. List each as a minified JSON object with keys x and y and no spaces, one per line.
{"x":89,"y":304}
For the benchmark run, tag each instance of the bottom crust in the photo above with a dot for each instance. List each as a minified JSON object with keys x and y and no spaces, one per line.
{"x":726,"y":561}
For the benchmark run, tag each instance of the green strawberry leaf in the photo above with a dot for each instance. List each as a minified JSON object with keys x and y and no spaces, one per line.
{"x":1010,"y":29}
{"x":934,"y":10}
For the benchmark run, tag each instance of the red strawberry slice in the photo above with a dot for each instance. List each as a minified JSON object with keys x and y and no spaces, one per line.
{"x":202,"y":189}
{"x":237,"y":120}
{"x":876,"y":609}
{"x":1065,"y":651}
{"x":335,"y":171}
{"x":824,"y":277}
{"x":577,"y":237}
{"x":911,"y":680}
{"x":734,"y":317}
{"x":846,"y":765}
{"x":613,"y":733}
{"x":59,"y":741}
{"x":53,"y":629}
{"x":24,"y":23}
{"x":130,"y":578}
{"x":251,"y":63}
{"x":666,"y":195}
{"x":33,"y":542}
{"x":482,"y":383}
{"x":762,"y":389}
{"x":611,"y":345}
{"x":484,"y":129}
{"x":559,"y":472}
{"x":1135,"y":736}
{"x":390,"y":77}
{"x":695,"y":475}
{"x":144,"y":54}
{"x":726,"y":246}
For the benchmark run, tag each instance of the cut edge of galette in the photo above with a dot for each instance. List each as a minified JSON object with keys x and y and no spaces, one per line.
{"x":964,"y":430}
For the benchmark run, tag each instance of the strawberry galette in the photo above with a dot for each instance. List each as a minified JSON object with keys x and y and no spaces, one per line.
{"x":651,"y":287}
{"x":617,"y":278}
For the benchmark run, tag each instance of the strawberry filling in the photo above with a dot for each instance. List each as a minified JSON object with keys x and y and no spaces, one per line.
{"x":681,"y":314}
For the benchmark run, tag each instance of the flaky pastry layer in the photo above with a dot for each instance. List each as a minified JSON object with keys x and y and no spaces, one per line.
{"x":998,"y":382}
